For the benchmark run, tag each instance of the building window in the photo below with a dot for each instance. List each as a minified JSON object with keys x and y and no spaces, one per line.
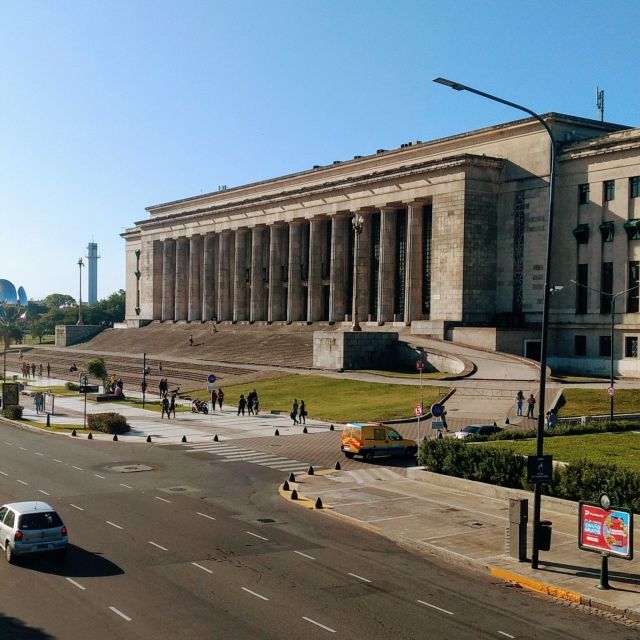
{"x":580,"y":345}
{"x":609,"y":189}
{"x":581,"y":233}
{"x":634,"y":187}
{"x":606,"y":287}
{"x":632,"y":227}
{"x":633,"y":282}
{"x":583,"y":193}
{"x":631,"y":347}
{"x":605,"y":347}
{"x":606,"y":231}
{"x":582,"y":282}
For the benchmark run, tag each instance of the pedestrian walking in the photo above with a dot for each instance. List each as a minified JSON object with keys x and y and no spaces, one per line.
{"x":256,"y":403}
{"x":220,"y":398}
{"x":165,"y":408}
{"x":303,"y":412}
{"x":294,"y":411}
{"x":160,"y":366}
{"x":33,"y":370}
{"x":172,"y":405}
{"x":519,"y":401}
{"x":214,"y":398}
{"x":250,"y":403}
{"x":552,"y":419}
{"x":20,"y":356}
{"x":531,"y":403}
{"x":48,"y":370}
{"x":40,"y":370}
{"x":191,"y":340}
{"x":242,"y":403}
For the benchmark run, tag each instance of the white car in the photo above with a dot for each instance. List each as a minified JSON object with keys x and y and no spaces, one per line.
{"x":477,"y":430}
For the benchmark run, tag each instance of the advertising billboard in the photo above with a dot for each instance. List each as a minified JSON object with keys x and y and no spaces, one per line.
{"x":607,"y":531}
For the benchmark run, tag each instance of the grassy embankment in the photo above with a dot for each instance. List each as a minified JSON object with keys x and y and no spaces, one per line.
{"x":588,"y":402}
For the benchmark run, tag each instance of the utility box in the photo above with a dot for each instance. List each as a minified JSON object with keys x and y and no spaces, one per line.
{"x":544,"y":535}
{"x":517,"y":530}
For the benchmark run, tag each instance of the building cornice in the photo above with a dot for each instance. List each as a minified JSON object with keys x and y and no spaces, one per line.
{"x":614,"y":143}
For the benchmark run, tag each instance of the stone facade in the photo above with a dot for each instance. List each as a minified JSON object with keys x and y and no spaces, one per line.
{"x":453,"y":235}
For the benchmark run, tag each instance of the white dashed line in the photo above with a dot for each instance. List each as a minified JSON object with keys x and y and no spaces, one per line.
{"x":433,"y":606}
{"x":355,"y":575}
{"x":304,"y":555}
{"x":125,"y":485}
{"x":23,"y":482}
{"x":195,"y":564}
{"x":37,"y":453}
{"x":253,"y":593}
{"x":155,"y":544}
{"x":255,"y":535}
{"x":506,"y":635}
{"x":319,"y":625}
{"x":75,"y":506}
{"x":97,"y":475}
{"x":122,"y":615}
{"x":78,"y":468}
{"x":44,"y":492}
{"x":113,"y":524}
{"x":163,"y":499}
{"x":9,"y":444}
{"x":23,"y":449}
{"x":4,"y":474}
{"x":76,"y":584}
{"x":204,"y":515}
{"x":56,"y":460}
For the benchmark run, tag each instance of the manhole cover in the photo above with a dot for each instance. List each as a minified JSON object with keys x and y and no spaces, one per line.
{"x":130,"y":468}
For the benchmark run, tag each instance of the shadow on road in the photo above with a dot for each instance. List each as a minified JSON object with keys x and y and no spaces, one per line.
{"x":14,"y":629}
{"x":79,"y":563}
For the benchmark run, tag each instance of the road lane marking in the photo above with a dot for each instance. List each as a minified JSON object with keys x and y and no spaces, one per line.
{"x":4,"y":474}
{"x":75,"y":506}
{"x":163,"y":499}
{"x":255,"y":535}
{"x":9,"y":444}
{"x":97,"y":475}
{"x":56,"y":460}
{"x":304,"y":555}
{"x":23,"y":448}
{"x":76,"y":584}
{"x":355,"y":575}
{"x":113,"y":524}
{"x":318,"y":624}
{"x":506,"y":635}
{"x":23,"y":482}
{"x":195,"y":564}
{"x":204,"y":515}
{"x":78,"y":468}
{"x":37,"y":453}
{"x":122,"y":615}
{"x":155,"y":544}
{"x":433,"y":606}
{"x":44,"y":492}
{"x":253,"y":593}
{"x":125,"y":485}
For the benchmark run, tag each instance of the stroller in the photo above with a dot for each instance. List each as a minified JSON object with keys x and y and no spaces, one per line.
{"x":199,"y":406}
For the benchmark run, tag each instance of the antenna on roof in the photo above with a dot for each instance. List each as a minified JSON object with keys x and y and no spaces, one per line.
{"x":600,"y":102}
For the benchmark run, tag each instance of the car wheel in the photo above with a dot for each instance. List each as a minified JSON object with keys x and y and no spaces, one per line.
{"x":349,"y":454}
{"x":368,"y":456}
{"x":8,"y":552}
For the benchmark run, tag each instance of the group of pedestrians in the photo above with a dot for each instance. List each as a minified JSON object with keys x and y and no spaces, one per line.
{"x":250,"y":403}
{"x":298,"y":412}
{"x":168,"y":406}
{"x":217,"y":396}
{"x":551,"y":418}
{"x":29,"y":370}
{"x":38,"y":401}
{"x":163,"y":388}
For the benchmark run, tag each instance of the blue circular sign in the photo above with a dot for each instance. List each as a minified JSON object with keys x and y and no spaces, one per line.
{"x":211,"y":378}
{"x":437,"y":409}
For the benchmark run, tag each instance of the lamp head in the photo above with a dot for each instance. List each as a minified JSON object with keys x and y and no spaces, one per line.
{"x":456,"y":86}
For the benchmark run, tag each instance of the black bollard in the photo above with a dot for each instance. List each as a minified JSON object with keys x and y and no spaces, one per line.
{"x":331,"y":428}
{"x":338,"y":467}
{"x":310,"y":472}
{"x":90,"y":436}
{"x":184,"y":439}
{"x":115,"y":437}
{"x":277,"y":433}
{"x":305,"y":430}
{"x":294,"y":495}
{"x":318,"y":503}
{"x":73,"y":433}
{"x":292,"y":477}
{"x":148,"y":438}
{"x":285,"y":486}
{"x":215,"y":438}
{"x":48,"y":420}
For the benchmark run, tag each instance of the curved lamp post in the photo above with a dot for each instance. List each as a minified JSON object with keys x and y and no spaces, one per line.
{"x":357,"y":222}
{"x":537,"y":495}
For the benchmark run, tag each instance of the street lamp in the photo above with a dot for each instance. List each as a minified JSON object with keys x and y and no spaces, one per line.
{"x":80,"y":265}
{"x":357,"y":221}
{"x":537,"y":494}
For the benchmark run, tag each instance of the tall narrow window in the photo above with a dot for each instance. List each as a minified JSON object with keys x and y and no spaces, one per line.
{"x":427,"y":212}
{"x":606,"y":286}
{"x":609,"y":190}
{"x":583,"y":193}
{"x":634,"y":187}
{"x":581,"y":288}
{"x":375,"y":264}
{"x":605,"y":347}
{"x":631,"y":347}
{"x":580,"y":345}
{"x":400,"y":262}
{"x":634,"y":280}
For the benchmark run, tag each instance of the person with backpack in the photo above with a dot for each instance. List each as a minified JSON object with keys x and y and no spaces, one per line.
{"x":303,"y":412}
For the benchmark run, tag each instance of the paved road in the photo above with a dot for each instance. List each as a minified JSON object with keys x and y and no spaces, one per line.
{"x":200,"y":548}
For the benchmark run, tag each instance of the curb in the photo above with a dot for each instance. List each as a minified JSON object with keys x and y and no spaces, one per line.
{"x":536,"y":585}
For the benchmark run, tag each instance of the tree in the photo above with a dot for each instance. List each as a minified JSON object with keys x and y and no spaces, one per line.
{"x":58,"y":301}
{"x":10,"y":332}
{"x":40,"y":328}
{"x":98,"y":369}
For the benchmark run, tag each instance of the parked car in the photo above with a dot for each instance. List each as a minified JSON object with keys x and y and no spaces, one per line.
{"x":477,"y":430}
{"x":31,"y":527}
{"x":371,"y":440}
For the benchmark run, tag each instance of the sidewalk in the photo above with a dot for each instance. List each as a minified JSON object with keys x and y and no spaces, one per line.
{"x":465,"y":522}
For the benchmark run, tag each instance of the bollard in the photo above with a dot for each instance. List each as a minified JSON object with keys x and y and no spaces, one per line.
{"x":294,"y":495}
{"x":48,"y":420}
{"x":285,"y":486}
{"x":115,"y":437}
{"x":277,"y":433}
{"x":148,"y":438}
{"x":310,"y":472}
{"x":318,"y":503}
{"x":331,"y":428}
{"x":305,"y":430}
{"x":292,"y":477}
{"x":184,"y":439}
{"x":215,"y":438}
{"x":338,"y":467}
{"x":73,"y":433}
{"x":90,"y":436}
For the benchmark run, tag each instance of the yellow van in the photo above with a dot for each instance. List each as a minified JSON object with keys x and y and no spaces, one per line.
{"x":375,"y":439}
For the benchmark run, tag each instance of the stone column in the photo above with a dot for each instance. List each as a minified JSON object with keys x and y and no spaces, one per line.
{"x":169,"y":279}
{"x":240,"y":277}
{"x":386,"y":275}
{"x":195,"y":272}
{"x":338,"y":281}
{"x":314,"y":303}
{"x":275,"y":273}
{"x":224,"y":275}
{"x":258,"y":275}
{"x":294,"y":300}
{"x":364,"y":268}
{"x":182,"y":278}
{"x":158,"y":256}
{"x":413,"y":285}
{"x":208,"y":278}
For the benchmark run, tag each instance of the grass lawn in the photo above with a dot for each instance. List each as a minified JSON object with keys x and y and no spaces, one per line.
{"x":585,"y":402}
{"x":435,"y":375}
{"x":333,"y":399}
{"x":62,"y":428}
{"x":56,"y":390}
{"x":27,"y":338}
{"x":622,"y":449}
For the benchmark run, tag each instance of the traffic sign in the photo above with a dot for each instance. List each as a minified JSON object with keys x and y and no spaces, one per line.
{"x":437,"y":409}
{"x":611,"y":391}
{"x":420,"y":365}
{"x":211,"y":378}
{"x":437,"y":424}
{"x":418,"y":410}
{"x":539,"y":469}
{"x":211,"y":387}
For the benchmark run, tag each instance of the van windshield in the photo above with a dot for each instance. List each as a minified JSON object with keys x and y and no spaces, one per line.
{"x":43,"y":520}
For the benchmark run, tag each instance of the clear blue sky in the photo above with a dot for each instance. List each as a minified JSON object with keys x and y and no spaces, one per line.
{"x":111,"y":106}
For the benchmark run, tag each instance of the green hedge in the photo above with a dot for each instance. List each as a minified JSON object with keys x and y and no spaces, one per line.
{"x":583,"y":480}
{"x":108,"y":422}
{"x":72,"y":386}
{"x":14,"y":412}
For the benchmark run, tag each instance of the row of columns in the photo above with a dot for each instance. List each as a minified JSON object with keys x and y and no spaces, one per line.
{"x":256,"y":274}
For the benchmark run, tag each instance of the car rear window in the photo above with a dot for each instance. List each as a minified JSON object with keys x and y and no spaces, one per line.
{"x":44,"y":520}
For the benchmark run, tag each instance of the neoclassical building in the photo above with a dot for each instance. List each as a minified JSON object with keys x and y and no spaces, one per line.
{"x":452,"y":243}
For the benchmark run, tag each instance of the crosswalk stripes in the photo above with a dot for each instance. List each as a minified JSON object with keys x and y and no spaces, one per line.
{"x":231,"y":453}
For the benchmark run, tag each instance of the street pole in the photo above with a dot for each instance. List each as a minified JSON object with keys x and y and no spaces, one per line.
{"x":356,"y":222}
{"x":613,"y":313}
{"x":537,"y":494}
{"x":144,"y":377}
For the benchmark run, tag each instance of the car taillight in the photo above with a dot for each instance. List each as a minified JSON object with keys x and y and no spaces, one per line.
{"x":18,"y":536}
{"x":64,"y":531}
